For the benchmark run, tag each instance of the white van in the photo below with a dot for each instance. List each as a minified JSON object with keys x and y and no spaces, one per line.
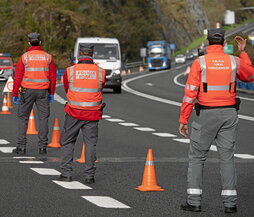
{"x":107,"y":55}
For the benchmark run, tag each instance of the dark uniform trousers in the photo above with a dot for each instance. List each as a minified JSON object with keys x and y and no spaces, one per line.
{"x":28,"y":98}
{"x":69,"y":136}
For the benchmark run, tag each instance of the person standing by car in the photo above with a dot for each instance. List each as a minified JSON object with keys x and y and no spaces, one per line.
{"x":34,"y":82}
{"x":212,"y":81}
{"x":83,"y":83}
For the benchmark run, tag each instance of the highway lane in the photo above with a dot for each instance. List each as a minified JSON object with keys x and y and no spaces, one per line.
{"x":121,"y":154}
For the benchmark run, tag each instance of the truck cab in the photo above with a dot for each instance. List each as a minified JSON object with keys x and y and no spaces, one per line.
{"x":158,"y":55}
{"x":107,"y":55}
{"x":6,"y":66}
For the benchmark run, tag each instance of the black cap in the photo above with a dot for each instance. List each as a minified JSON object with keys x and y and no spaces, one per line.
{"x":34,"y":36}
{"x":216,"y":34}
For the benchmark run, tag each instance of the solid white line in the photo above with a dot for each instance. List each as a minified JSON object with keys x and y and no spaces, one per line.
{"x":46,"y":171}
{"x":182,"y":140}
{"x":106,"y":116}
{"x":164,"y":134}
{"x":7,"y":149}
{"x":129,"y":124}
{"x":105,"y":202}
{"x":4,"y":142}
{"x":24,"y":157}
{"x":144,"y":129}
{"x":72,"y":185}
{"x":244,"y":156}
{"x":31,"y":162}
{"x":115,"y":120}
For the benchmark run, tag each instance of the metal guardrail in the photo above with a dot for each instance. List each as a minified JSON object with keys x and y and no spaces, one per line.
{"x":134,"y":64}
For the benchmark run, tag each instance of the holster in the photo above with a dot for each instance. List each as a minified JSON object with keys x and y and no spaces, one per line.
{"x":237,"y":103}
{"x":22,"y":92}
{"x":197,"y":108}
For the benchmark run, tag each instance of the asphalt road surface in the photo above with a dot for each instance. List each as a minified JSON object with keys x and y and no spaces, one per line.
{"x":144,"y":116}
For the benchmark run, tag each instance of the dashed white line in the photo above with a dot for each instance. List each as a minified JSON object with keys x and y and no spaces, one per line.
{"x":24,"y":157}
{"x":4,"y":142}
{"x":106,"y":116}
{"x":164,"y":134}
{"x":244,"y":156}
{"x":7,"y":149}
{"x":72,"y":185}
{"x":147,"y":129}
{"x":31,"y":162}
{"x":46,"y":171}
{"x":182,"y":140}
{"x":213,"y":148}
{"x":105,"y":202}
{"x":115,"y":120}
{"x":129,"y":124}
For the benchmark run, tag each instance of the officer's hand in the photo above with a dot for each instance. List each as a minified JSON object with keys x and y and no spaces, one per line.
{"x":183,"y":130}
{"x":15,"y":100}
{"x":51,"y":98}
{"x":241,"y":43}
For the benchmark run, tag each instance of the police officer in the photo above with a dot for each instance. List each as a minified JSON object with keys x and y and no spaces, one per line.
{"x":83,"y":83}
{"x":34,"y":82}
{"x":212,"y":81}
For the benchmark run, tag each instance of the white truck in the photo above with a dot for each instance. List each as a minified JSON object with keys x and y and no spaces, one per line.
{"x":107,"y":55}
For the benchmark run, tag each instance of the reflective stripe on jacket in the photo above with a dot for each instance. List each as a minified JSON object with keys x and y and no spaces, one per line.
{"x":36,"y":75}
{"x":85,"y":86}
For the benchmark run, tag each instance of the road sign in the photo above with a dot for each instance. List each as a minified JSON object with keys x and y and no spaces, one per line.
{"x":172,"y":46}
{"x":9,"y":85}
{"x":228,"y":49}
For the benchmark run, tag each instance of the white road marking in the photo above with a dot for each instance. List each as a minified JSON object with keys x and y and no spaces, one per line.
{"x":72,"y":185}
{"x":244,"y":156}
{"x":24,"y":157}
{"x":182,"y":140}
{"x":46,"y":171}
{"x":105,"y":202}
{"x":31,"y":162}
{"x":7,"y":149}
{"x":59,"y":99}
{"x":4,"y":142}
{"x":164,"y":134}
{"x":213,"y":148}
{"x":115,"y":120}
{"x":147,"y":129}
{"x":129,"y":124}
{"x":149,"y":84}
{"x":106,"y":116}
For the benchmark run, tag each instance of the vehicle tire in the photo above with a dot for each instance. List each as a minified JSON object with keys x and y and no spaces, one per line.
{"x":118,"y":89}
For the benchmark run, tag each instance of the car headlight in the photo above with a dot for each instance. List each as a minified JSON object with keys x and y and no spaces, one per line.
{"x":149,"y":65}
{"x":164,"y":64}
{"x":117,"y":72}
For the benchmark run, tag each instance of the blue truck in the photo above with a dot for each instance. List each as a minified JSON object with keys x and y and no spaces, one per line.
{"x":158,"y":55}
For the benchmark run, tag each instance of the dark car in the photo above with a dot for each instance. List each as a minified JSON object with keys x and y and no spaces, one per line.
{"x":189,"y":56}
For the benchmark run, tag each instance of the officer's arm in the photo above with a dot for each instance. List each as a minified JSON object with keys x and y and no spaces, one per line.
{"x":246,"y":69}
{"x":18,"y":76}
{"x":65,"y":82}
{"x":52,"y":77}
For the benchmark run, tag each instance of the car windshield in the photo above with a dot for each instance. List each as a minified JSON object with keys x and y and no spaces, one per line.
{"x":105,"y":51}
{"x":180,"y":56}
{"x":156,"y":52}
{"x":5,"y":62}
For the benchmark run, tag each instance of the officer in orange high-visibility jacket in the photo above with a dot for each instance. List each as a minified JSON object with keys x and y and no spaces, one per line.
{"x":212,"y":82}
{"x":83,"y":83}
{"x":34,"y":82}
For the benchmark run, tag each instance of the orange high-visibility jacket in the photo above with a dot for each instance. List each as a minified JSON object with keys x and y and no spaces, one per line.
{"x":36,"y":75}
{"x":212,"y":80}
{"x":85,"y":86}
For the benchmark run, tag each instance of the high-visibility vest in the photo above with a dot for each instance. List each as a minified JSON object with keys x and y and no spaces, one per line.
{"x":85,"y":86}
{"x":36,"y":74}
{"x":218,"y":78}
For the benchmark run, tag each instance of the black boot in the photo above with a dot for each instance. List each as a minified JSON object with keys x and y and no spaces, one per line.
{"x":188,"y":207}
{"x":19,"y":151}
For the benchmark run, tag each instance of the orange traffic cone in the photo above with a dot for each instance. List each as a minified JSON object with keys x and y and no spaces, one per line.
{"x":129,"y":71}
{"x":55,"y":139}
{"x":31,"y":129}
{"x":9,"y":101}
{"x":141,"y":69}
{"x":5,"y":110}
{"x":149,"y":182}
{"x":82,"y":155}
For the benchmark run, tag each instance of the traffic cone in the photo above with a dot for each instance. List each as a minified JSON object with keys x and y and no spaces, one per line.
{"x":5,"y":109}
{"x":82,"y":155}
{"x":149,"y":182}
{"x":31,"y":129}
{"x":141,"y":69}
{"x":55,"y":139}
{"x":123,"y":72}
{"x":9,"y":101}
{"x":129,"y":71}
